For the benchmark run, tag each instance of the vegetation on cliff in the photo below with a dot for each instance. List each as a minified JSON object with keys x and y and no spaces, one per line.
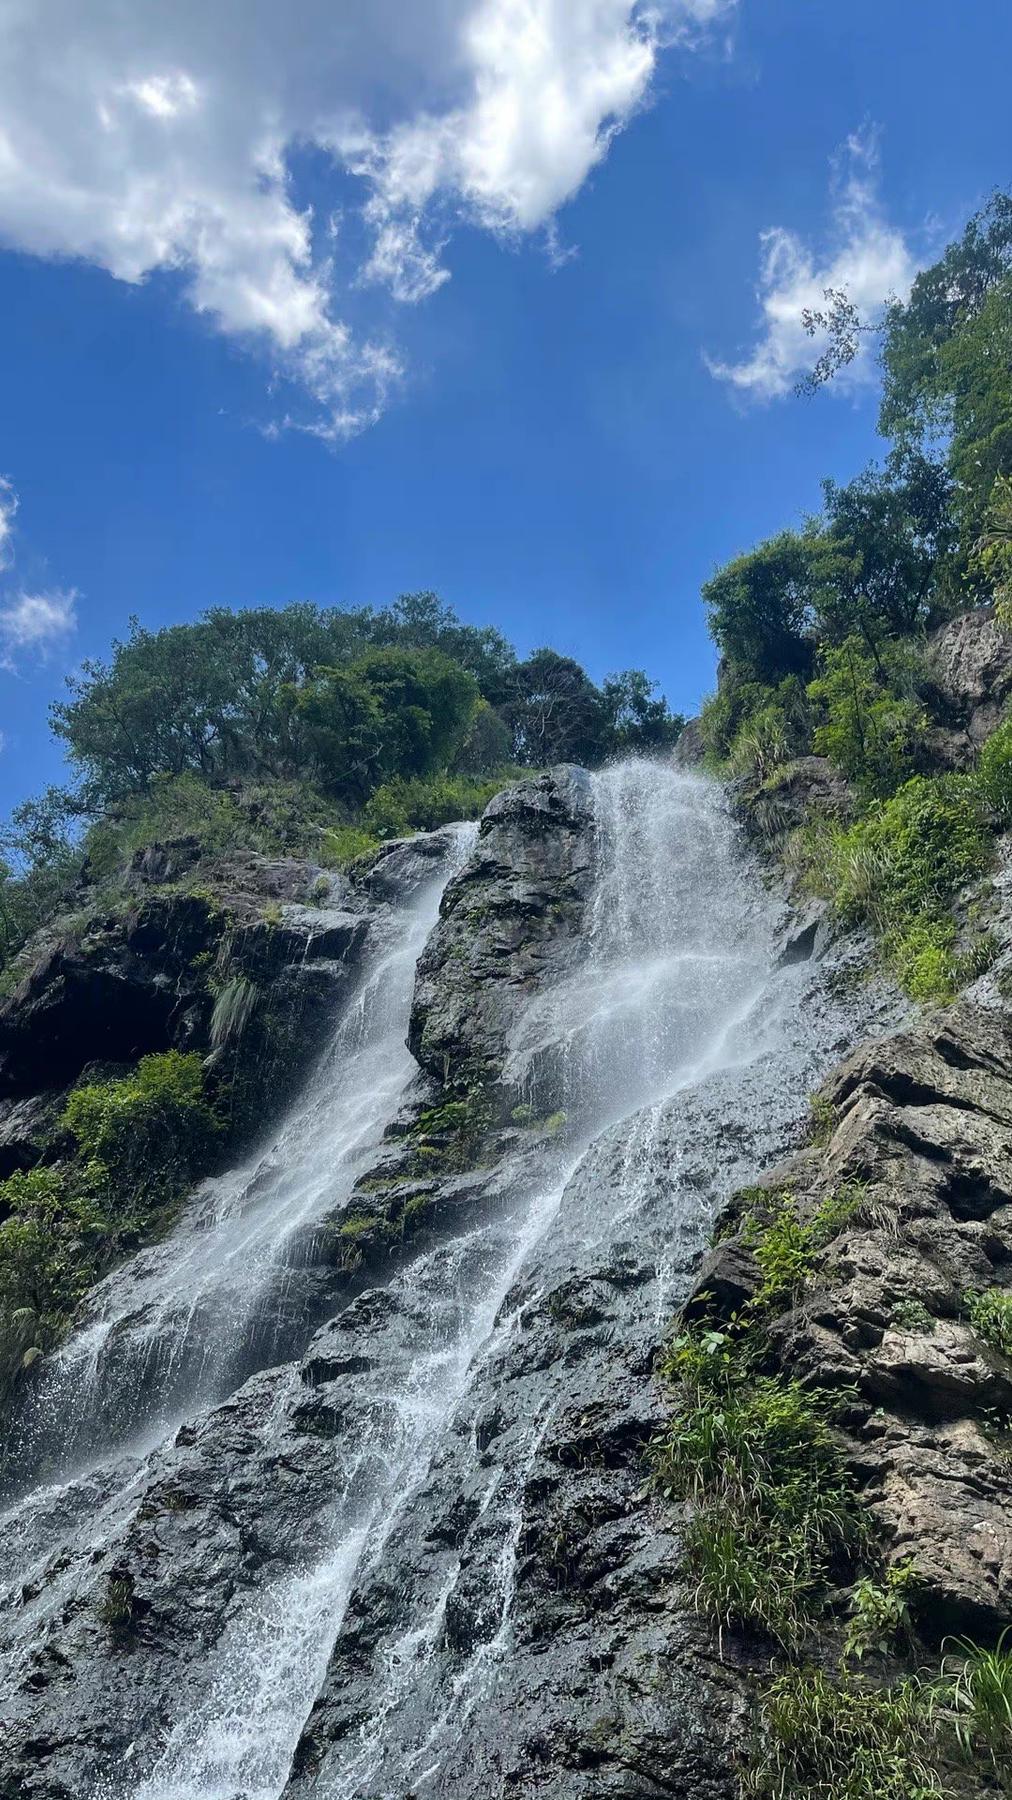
{"x":305,"y":730}
{"x":824,"y":631}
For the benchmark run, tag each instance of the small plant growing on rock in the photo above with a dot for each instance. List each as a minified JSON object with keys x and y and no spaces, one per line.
{"x":990,"y":1313}
{"x":823,"y":1122}
{"x":976,"y":1690}
{"x":911,"y":1315}
{"x":880,"y":1612}
{"x":758,"y":1456}
{"x":116,"y":1607}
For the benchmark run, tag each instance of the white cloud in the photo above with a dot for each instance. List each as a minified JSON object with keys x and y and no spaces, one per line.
{"x":8,"y":507}
{"x":866,"y":256}
{"x":35,"y":624}
{"x":146,"y":138}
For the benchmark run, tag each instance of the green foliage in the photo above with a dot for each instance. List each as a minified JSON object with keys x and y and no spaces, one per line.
{"x":233,"y":1008}
{"x":990,"y":1313}
{"x":147,"y":1136}
{"x":50,"y":1240}
{"x":900,"y":867}
{"x":635,"y":716}
{"x":976,"y":1691}
{"x":886,"y":533}
{"x":175,"y":806}
{"x":821,"y":1739}
{"x":868,"y":726}
{"x":554,"y":712}
{"x":341,"y":845}
{"x":823,"y":1119}
{"x":993,"y":775}
{"x":762,"y":607}
{"x":786,"y":1247}
{"x":775,"y":1504}
{"x":40,"y":866}
{"x":394,"y":712}
{"x":911,"y":1315}
{"x":947,"y":359}
{"x":750,"y":727}
{"x":991,"y":559}
{"x":880,"y":1613}
{"x":402,"y":806}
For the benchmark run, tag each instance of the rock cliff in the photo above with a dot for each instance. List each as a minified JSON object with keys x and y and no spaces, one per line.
{"x":412,"y":1547}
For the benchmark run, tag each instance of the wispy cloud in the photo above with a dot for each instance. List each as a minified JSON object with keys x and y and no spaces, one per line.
{"x":864,"y":255}
{"x":8,"y":508}
{"x":161,"y":137}
{"x":34,"y":625}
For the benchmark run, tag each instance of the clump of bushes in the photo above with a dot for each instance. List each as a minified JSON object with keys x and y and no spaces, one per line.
{"x":775,"y":1507}
{"x":899,"y":868}
{"x":50,"y":1246}
{"x":145,"y":1137}
{"x":423,"y":804}
{"x":820,"y":1738}
{"x":990,"y":1313}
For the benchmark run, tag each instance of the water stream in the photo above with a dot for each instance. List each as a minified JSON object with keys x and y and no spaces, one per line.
{"x":676,"y":995}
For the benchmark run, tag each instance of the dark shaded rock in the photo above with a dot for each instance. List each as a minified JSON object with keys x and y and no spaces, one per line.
{"x":508,"y":922}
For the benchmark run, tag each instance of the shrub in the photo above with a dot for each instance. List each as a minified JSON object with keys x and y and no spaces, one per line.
{"x":786,"y":1246}
{"x":402,"y":806}
{"x":900,"y":867}
{"x":912,"y":853}
{"x":994,"y":773}
{"x":880,"y":1612}
{"x":49,"y":1244}
{"x":990,"y":1313}
{"x":820,"y":1739}
{"x":911,"y":1315}
{"x":148,"y":1136}
{"x":341,"y":845}
{"x":175,"y":806}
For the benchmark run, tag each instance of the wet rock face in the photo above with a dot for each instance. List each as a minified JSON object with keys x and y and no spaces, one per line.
{"x":134,"y":981}
{"x":921,"y":1136}
{"x":509,"y":920}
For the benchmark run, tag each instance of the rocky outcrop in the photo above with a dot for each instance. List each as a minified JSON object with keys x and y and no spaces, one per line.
{"x":142,"y":977}
{"x":920,"y":1143}
{"x":968,"y":669}
{"x":509,"y":921}
{"x":804,"y":790}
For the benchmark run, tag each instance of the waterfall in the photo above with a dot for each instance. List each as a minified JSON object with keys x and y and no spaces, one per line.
{"x":676,"y":1022}
{"x":228,"y":1291}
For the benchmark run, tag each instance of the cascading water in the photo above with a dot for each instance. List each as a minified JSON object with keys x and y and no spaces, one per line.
{"x":675,"y":1022}
{"x":228,"y":1291}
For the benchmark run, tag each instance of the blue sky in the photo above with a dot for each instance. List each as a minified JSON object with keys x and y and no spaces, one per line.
{"x":556,"y":451}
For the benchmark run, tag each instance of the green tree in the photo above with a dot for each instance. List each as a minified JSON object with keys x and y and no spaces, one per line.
{"x":947,"y":359}
{"x":422,"y":622}
{"x":885,"y":533}
{"x":635,"y":716}
{"x":554,"y":711}
{"x":394,"y":712}
{"x":870,"y":721}
{"x":763,"y":605}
